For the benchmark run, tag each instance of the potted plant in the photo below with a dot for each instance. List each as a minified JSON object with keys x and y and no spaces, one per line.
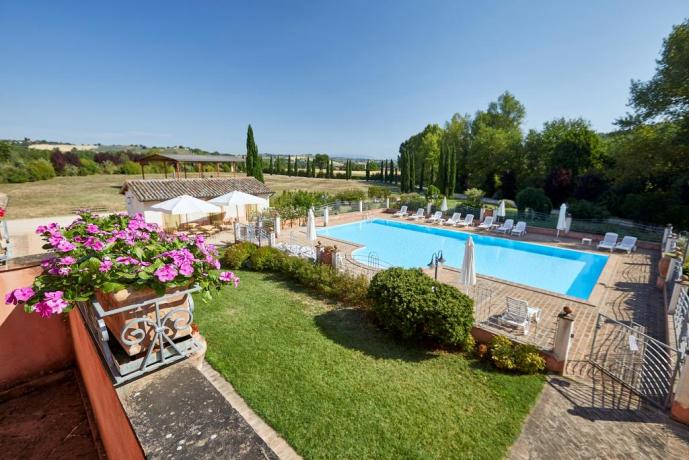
{"x":120,"y":260}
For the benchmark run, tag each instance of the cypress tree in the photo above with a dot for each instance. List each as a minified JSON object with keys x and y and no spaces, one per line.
{"x":368,"y":170}
{"x":308,"y":167}
{"x":270,"y":168}
{"x":289,"y":165}
{"x":254,"y":164}
{"x":423,"y":172}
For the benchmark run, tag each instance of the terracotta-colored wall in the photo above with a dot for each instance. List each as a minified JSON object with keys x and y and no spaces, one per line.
{"x":29,"y":345}
{"x":117,"y":435}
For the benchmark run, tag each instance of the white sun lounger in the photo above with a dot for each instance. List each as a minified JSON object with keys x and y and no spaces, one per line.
{"x":506,"y":227}
{"x":437,"y":217}
{"x":487,"y":223}
{"x":401,"y":213}
{"x":519,"y":229}
{"x":454,"y":220}
{"x":468,"y":220}
{"x":519,"y":314}
{"x":628,"y":244}
{"x":609,"y":241}
{"x":419,"y":214}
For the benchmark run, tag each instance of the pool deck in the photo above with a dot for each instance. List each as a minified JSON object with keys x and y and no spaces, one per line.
{"x":625,"y":290}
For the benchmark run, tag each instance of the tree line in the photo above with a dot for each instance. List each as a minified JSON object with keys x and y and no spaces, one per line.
{"x":639,"y":171}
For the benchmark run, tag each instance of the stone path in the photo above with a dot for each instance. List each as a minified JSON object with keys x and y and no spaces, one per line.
{"x":591,"y":416}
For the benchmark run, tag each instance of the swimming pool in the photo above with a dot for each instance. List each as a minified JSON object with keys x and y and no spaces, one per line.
{"x":402,"y":244}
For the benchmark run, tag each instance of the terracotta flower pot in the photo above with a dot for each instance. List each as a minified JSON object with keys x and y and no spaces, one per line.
{"x":141,"y":333}
{"x":663,"y":266}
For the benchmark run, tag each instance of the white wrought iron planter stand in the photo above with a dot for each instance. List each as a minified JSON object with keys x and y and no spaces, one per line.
{"x":124,"y":368}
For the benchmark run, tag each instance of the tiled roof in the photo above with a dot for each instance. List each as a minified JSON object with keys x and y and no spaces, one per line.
{"x":165,"y":189}
{"x":191,"y":158}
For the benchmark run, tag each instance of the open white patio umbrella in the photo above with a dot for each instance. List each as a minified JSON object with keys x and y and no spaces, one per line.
{"x":237,"y":199}
{"x":468,"y":276}
{"x":326,"y":216}
{"x":443,"y":205}
{"x":562,"y":219}
{"x":311,"y":226}
{"x":501,"y":209}
{"x":185,"y":205}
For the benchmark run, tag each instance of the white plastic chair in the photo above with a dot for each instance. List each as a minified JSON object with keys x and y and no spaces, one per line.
{"x":419,"y":214}
{"x":519,"y":314}
{"x":519,"y":229}
{"x":468,"y":220}
{"x":487,"y":223}
{"x":435,"y":218}
{"x":454,"y":220}
{"x":401,"y":213}
{"x":628,"y":244}
{"x":506,"y":226}
{"x":609,"y":241}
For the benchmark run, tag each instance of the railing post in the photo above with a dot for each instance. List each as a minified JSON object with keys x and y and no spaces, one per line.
{"x":276,"y":226}
{"x":679,"y":409}
{"x":271,"y":239}
{"x":563,"y":339}
{"x":674,"y":298}
{"x":666,"y":234}
{"x":237,"y":232}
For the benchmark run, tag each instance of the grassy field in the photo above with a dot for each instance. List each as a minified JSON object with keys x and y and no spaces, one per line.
{"x":61,"y":195}
{"x":336,"y":387}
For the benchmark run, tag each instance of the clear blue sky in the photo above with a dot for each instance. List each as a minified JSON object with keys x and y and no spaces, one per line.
{"x":351,"y":78}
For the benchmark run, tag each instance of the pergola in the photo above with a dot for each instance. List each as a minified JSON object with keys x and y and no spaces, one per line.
{"x":199,"y":160}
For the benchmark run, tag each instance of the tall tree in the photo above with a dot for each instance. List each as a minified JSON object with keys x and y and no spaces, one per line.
{"x":270,"y":168}
{"x":308,"y":167}
{"x":289,"y":165}
{"x":368,"y":170}
{"x":254,"y":164}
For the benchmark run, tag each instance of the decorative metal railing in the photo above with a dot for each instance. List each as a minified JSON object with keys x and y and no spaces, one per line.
{"x":152,"y":334}
{"x":680,"y":319}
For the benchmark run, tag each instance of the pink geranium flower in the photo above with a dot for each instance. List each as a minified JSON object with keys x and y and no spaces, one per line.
{"x":68,"y":260}
{"x":92,"y":229}
{"x":186,"y":269}
{"x":94,"y":243}
{"x":166,"y":273}
{"x":65,"y":246}
{"x":52,"y":304}
{"x":229,"y":277}
{"x":19,"y":295}
{"x":105,"y":266}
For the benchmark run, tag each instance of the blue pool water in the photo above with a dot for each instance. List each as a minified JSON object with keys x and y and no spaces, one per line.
{"x":402,"y":244}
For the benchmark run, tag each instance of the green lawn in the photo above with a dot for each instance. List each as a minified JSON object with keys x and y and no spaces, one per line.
{"x":335,"y":387}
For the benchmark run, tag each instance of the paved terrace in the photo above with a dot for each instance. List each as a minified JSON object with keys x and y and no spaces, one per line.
{"x":624,"y":291}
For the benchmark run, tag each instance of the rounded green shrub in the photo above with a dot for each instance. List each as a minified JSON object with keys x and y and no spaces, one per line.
{"x":40,"y":169}
{"x":266,"y":259}
{"x":502,"y":353}
{"x":533,"y":198}
{"x":236,"y":255}
{"x":412,"y":305}
{"x":528,"y":359}
{"x":524,"y":358}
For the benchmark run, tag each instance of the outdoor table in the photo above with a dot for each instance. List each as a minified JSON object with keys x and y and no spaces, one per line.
{"x":192,"y":224}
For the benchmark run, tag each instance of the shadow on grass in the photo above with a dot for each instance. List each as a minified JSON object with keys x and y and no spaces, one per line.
{"x":352,"y":329}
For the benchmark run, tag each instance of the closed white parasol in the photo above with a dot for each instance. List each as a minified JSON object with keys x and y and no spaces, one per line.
{"x":562,"y":219}
{"x":468,"y":276}
{"x":311,"y":226}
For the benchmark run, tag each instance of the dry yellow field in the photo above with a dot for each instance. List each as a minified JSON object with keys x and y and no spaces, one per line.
{"x":61,"y":195}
